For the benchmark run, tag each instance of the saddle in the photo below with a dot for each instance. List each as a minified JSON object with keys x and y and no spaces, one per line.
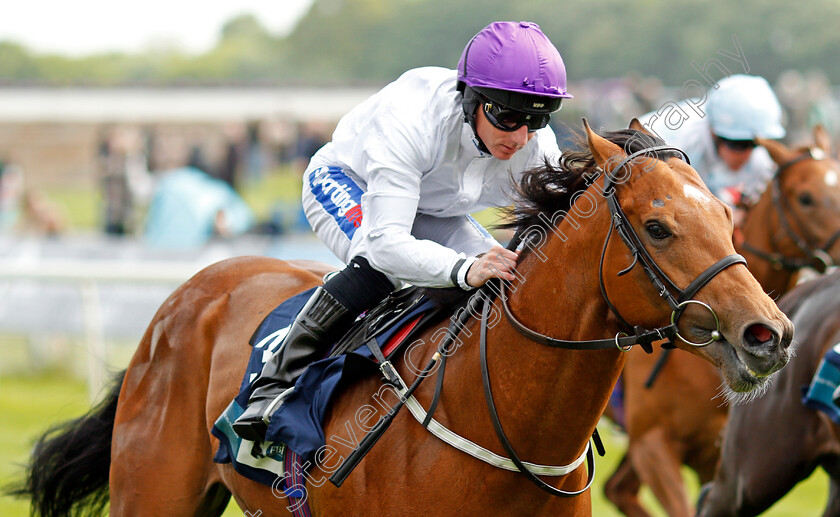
{"x":370,"y":343}
{"x":372,"y":324}
{"x":389,"y":313}
{"x":376,"y":321}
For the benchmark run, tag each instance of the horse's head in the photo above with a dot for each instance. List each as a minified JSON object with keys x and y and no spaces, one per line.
{"x":805,"y":196}
{"x":684,"y":267}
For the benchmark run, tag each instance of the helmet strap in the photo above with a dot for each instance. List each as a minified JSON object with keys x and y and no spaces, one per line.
{"x":470,"y":101}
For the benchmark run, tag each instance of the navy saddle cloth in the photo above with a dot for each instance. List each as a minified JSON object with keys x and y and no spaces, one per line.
{"x":297,"y":424}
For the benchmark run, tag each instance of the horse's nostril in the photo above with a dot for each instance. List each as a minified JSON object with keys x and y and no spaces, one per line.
{"x":758,"y":334}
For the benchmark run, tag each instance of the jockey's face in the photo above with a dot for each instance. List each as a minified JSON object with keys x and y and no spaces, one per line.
{"x":733,"y":153}
{"x":501,"y":144}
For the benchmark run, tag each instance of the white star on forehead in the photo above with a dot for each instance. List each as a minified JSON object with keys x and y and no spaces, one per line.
{"x":696,"y":194}
{"x":831,"y":178}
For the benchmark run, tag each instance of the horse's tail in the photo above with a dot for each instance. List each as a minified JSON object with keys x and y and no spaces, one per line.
{"x":68,"y":471}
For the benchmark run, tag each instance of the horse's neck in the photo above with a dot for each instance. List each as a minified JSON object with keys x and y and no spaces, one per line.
{"x":762,"y":230}
{"x":549,"y":399}
{"x":563,"y":300}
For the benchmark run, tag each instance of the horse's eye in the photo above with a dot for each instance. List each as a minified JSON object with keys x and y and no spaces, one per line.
{"x":806,"y":199}
{"x":657,"y":231}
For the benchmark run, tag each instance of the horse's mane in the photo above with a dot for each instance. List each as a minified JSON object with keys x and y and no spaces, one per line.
{"x":550,"y":188}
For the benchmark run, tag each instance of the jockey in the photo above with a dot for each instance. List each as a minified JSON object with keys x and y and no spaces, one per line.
{"x":719,"y":137}
{"x":392,"y":192}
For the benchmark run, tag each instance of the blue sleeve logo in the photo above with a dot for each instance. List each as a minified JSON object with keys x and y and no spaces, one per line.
{"x":339,"y":196}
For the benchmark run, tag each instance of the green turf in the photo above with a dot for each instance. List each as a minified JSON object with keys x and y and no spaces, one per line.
{"x":30,"y":404}
{"x":807,"y":499}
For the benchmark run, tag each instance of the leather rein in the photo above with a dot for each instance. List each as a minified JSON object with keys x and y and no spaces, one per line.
{"x":816,"y":257}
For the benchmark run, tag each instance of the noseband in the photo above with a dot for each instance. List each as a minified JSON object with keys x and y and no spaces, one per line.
{"x":816,"y":257}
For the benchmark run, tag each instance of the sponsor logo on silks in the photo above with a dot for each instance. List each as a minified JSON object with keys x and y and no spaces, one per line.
{"x":276,"y":450}
{"x":339,"y":196}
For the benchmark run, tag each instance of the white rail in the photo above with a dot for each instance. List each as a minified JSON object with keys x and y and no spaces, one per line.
{"x":97,"y":268}
{"x":88,"y":275}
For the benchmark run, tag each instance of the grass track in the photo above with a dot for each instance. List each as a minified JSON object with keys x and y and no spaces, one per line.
{"x":30,"y":404}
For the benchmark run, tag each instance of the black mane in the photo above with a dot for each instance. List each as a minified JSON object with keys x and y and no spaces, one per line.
{"x":550,"y":189}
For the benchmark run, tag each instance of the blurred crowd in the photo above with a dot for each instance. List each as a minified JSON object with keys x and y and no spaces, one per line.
{"x":174,"y":187}
{"x":187,"y":188}
{"x":26,"y":211}
{"x":180,"y":188}
{"x":807,"y":99}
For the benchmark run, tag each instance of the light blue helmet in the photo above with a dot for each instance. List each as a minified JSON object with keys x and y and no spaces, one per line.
{"x":744,"y":107}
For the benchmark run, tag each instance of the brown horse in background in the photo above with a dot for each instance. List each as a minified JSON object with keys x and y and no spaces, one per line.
{"x":154,"y":433}
{"x":758,"y":469}
{"x":794,"y":224}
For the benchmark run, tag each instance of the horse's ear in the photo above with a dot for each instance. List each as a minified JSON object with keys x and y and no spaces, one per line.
{"x":602,"y":149}
{"x":778,"y":151}
{"x":635,"y":124}
{"x":821,"y":138}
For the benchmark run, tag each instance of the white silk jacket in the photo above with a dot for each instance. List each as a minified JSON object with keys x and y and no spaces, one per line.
{"x":410,"y":150}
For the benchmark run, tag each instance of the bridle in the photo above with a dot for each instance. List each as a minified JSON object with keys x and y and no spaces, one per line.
{"x":677,"y":299}
{"x":816,"y":257}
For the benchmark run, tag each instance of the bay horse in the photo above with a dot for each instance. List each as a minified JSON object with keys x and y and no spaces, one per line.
{"x":625,"y":241}
{"x":757,"y":469}
{"x":794,"y":224}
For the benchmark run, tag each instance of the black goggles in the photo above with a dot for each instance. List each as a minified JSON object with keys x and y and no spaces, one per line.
{"x":736,"y":145}
{"x":506,"y":119}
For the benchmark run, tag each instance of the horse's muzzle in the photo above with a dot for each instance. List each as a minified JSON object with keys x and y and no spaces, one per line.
{"x":766,"y":346}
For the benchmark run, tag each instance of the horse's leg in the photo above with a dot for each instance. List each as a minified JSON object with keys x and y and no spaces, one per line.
{"x":832,"y":507}
{"x":622,"y":489}
{"x":704,"y":461}
{"x":161,"y":457}
{"x":831,"y":465}
{"x":658,"y":465}
{"x":757,"y":469}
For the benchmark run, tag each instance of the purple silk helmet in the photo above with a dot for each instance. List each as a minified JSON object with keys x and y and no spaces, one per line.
{"x":513,"y":64}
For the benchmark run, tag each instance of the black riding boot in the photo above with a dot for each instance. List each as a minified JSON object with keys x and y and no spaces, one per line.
{"x":323,"y":316}
{"x":329,"y":313}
